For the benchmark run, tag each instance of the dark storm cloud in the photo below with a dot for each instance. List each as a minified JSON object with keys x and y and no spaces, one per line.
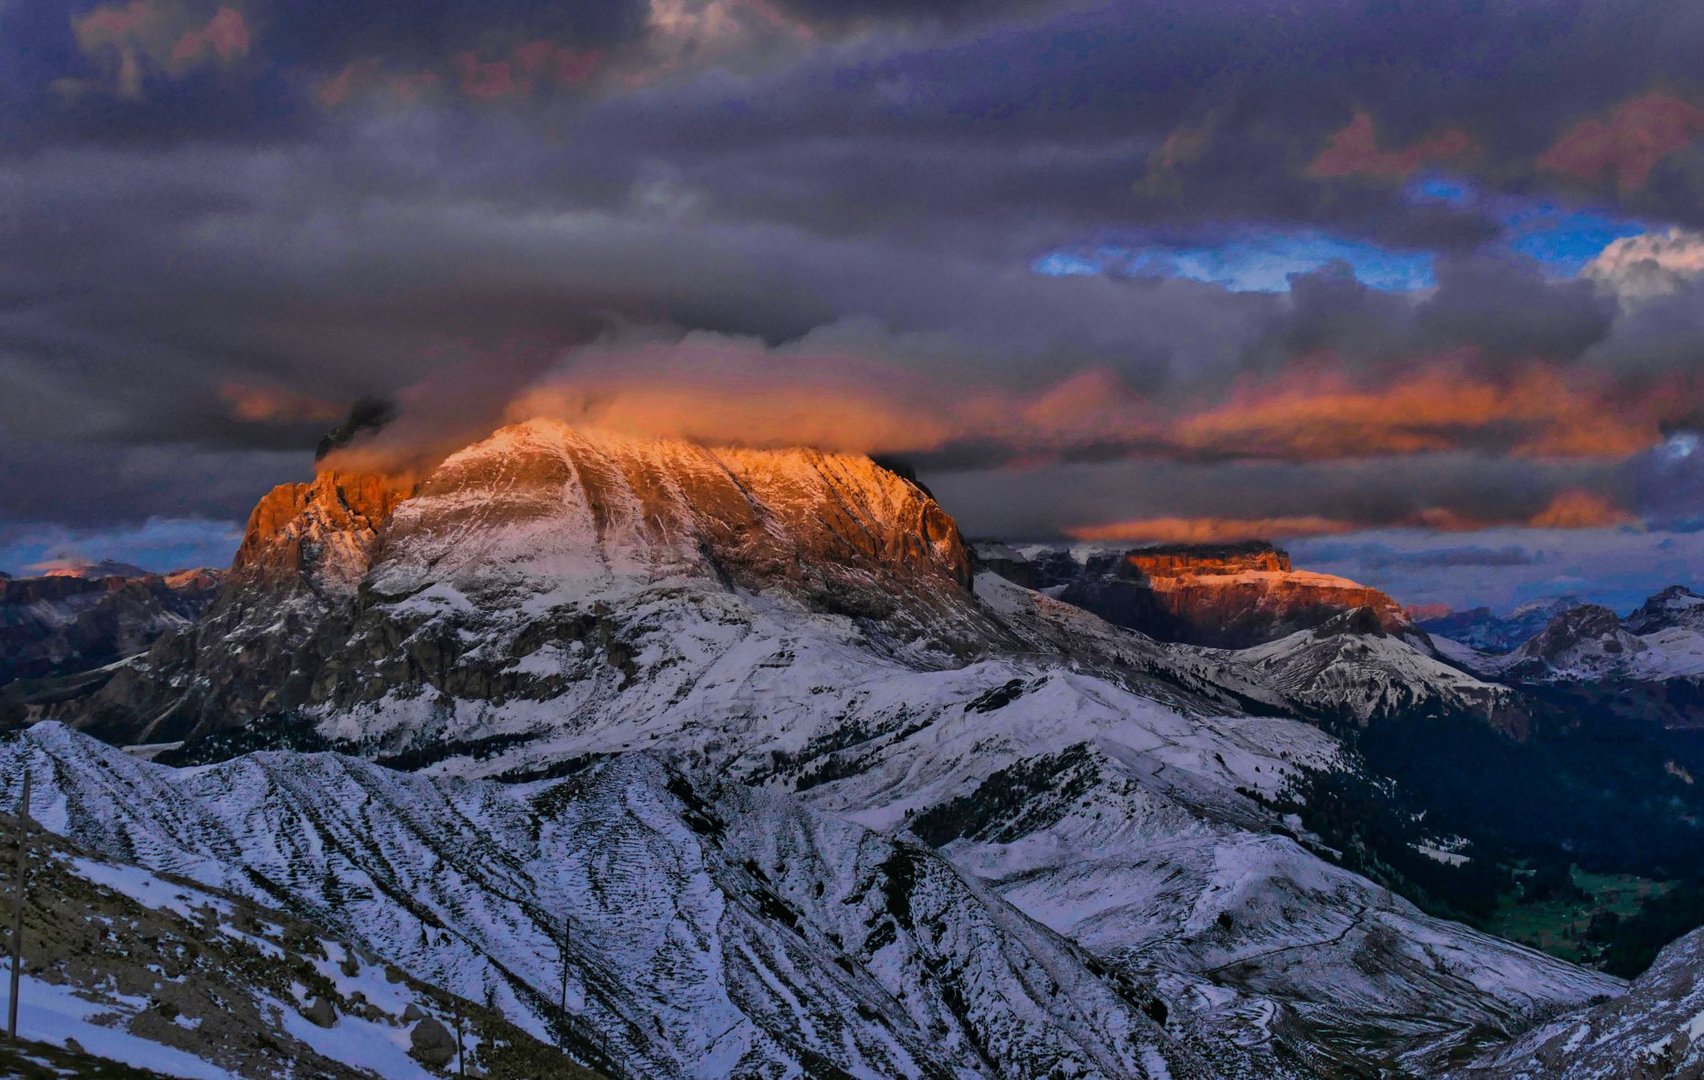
{"x":215,"y":265}
{"x":1457,"y":556}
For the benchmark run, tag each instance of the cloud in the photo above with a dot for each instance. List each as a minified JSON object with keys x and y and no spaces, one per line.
{"x":799,"y":221}
{"x":131,"y":40}
{"x":272,"y":404}
{"x":157,"y":544}
{"x":1650,"y":265}
{"x":1315,"y":410}
{"x":1174,"y":530}
{"x":1575,"y":509}
{"x":1628,"y":143}
{"x":1353,"y":151}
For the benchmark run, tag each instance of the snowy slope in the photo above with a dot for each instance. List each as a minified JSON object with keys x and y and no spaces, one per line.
{"x":1664,"y":639}
{"x":1349,"y":669}
{"x":178,"y":979}
{"x":1654,"y":1031}
{"x":733,"y":935}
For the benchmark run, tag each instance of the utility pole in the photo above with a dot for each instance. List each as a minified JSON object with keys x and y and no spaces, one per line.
{"x":18,"y":905}
{"x":563,"y":950}
{"x":461,"y":1055}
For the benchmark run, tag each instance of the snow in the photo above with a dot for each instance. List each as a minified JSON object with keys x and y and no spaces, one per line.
{"x":359,"y":1043}
{"x":52,"y":1013}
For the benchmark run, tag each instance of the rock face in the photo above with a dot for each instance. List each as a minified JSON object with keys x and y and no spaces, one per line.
{"x":1348,"y":669}
{"x":1588,"y":638}
{"x":317,"y":535}
{"x":1658,"y":650}
{"x":1221,"y":596}
{"x":63,"y":623}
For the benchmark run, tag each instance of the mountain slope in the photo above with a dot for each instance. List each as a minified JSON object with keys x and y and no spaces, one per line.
{"x":1484,"y":631}
{"x":65,"y":623}
{"x":1654,"y":1031}
{"x":1662,"y":640}
{"x":164,"y":974}
{"x":1350,"y":669}
{"x":732,"y":935}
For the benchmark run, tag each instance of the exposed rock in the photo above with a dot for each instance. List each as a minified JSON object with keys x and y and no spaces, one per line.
{"x":1228,"y":596}
{"x":412,"y":1012}
{"x":1676,"y":607}
{"x":431,"y":1043}
{"x":330,"y":603}
{"x":1587,"y":640}
{"x":321,"y":1013}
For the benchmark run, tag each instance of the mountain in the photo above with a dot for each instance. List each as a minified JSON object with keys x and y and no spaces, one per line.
{"x":1228,"y":596}
{"x":1662,"y":640}
{"x":797,"y":646}
{"x":161,"y":973}
{"x":1482,"y":630}
{"x":94,"y":571}
{"x":61,"y":624}
{"x":1675,"y":608}
{"x":1351,"y":669}
{"x":1654,"y":1031}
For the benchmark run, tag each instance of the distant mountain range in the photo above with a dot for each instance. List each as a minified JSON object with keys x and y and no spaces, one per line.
{"x":813,"y":787}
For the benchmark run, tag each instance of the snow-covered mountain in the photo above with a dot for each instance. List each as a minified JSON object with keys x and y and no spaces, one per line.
{"x":773,"y":684}
{"x":1484,"y":631}
{"x":729,"y":932}
{"x":1663,"y":639}
{"x":1351,"y":669}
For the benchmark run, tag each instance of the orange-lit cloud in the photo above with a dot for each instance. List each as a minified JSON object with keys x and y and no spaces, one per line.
{"x":1577,"y":509}
{"x":1354,"y":151}
{"x":1320,"y":412}
{"x":521,"y":71}
{"x":226,"y":36}
{"x":721,"y":390}
{"x":272,"y":405}
{"x":1629,"y":142}
{"x":135,"y":38}
{"x":1209,"y":530}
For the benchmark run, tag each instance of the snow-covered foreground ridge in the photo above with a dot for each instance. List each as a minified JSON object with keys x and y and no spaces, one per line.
{"x":735,"y":935}
{"x":171,"y":977}
{"x":717,"y":930}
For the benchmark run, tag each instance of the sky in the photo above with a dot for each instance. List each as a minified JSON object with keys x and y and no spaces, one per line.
{"x":1413,"y":289}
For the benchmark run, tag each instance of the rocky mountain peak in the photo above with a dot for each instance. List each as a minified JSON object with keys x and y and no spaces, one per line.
{"x":1675,"y":606}
{"x":321,"y":532}
{"x":1359,"y":622}
{"x":1583,"y":641}
{"x":545,"y":499}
